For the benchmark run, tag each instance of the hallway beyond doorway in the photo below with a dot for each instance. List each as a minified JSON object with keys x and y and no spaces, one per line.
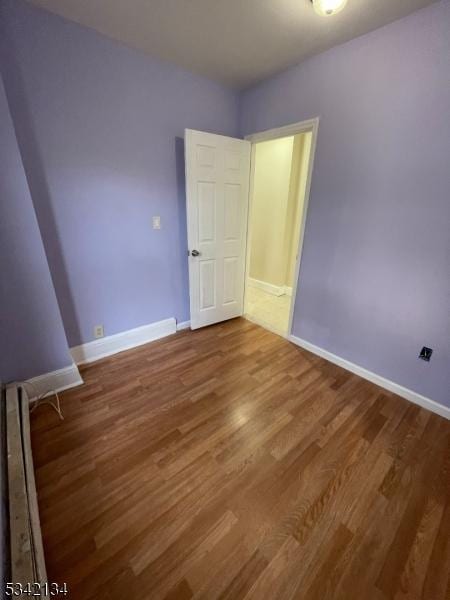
{"x":268,"y":310}
{"x":279,"y":183}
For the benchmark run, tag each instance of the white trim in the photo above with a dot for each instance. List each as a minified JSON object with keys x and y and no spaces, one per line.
{"x":183,"y":325}
{"x":287,"y":290}
{"x":284,"y":131}
{"x":86,"y":353}
{"x":274,"y":290}
{"x":55,"y":381}
{"x":311,"y":125}
{"x":387,"y":384}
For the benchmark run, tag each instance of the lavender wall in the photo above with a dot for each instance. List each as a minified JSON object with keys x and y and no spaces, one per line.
{"x":100,"y":130}
{"x":375,"y":274}
{"x":100,"y":127}
{"x":32,"y":337}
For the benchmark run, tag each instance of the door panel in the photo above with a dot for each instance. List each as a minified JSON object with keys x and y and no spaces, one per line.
{"x":206,"y":212}
{"x":217,"y":180}
{"x":229,"y":279}
{"x":207,"y":284}
{"x":231,"y":210}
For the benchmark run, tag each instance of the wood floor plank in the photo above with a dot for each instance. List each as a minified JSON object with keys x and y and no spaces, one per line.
{"x":228,"y":463}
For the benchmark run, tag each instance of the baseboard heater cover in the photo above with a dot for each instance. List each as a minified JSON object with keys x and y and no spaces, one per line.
{"x":26,"y":553}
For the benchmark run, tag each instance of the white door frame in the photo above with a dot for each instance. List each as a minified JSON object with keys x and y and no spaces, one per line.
{"x":311,"y":125}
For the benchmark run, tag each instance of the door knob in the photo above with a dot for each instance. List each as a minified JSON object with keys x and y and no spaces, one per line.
{"x":195,"y":253}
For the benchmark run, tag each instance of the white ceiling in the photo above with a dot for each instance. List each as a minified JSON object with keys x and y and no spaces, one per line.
{"x":237,"y":42}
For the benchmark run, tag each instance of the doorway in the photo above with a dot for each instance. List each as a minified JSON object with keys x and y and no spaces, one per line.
{"x":280,"y":173}
{"x":220,"y":235}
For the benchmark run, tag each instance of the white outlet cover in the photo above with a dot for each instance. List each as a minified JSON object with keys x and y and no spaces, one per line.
{"x":156,"y":222}
{"x":98,"y":331}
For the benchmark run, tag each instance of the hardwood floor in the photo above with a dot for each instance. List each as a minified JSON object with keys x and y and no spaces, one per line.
{"x":228,"y":463}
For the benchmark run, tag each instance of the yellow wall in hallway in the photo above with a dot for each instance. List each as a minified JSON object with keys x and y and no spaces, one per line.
{"x":269,"y":205}
{"x":299,"y":176}
{"x":280,"y":174}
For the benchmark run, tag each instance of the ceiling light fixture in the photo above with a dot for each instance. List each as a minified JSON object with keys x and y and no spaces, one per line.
{"x":326,"y":8}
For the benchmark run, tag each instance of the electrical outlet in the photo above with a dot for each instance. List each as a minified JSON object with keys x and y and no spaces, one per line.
{"x":425,"y":354}
{"x":98,"y":331}
{"x":156,"y":222}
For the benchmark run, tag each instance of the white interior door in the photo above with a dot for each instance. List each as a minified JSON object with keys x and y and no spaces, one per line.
{"x":217,"y":182}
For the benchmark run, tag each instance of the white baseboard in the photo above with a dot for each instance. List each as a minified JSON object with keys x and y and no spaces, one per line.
{"x":183,"y":325}
{"x":275,"y":290}
{"x":387,"y":384}
{"x":103,"y":347}
{"x":287,"y":290}
{"x":56,"y":381}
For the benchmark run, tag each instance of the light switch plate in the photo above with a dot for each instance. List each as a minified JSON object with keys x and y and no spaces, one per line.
{"x":156,"y":222}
